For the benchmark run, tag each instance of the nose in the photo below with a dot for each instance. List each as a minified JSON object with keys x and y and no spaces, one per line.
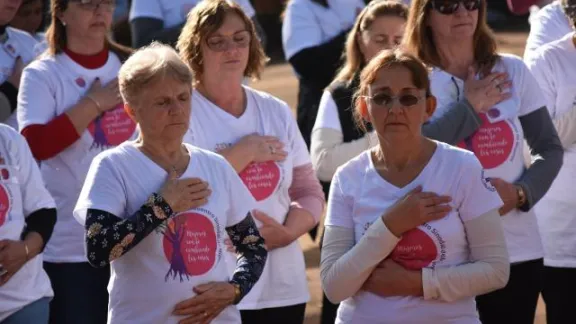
{"x":461,"y":10}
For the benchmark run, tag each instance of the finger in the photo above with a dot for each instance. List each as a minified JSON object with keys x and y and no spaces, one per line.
{"x":198,"y":195}
{"x":438,"y":209}
{"x":263,"y":218}
{"x":112,"y":84}
{"x":190,"y":181}
{"x":438,"y":200}
{"x":437,"y":215}
{"x":471,"y":74}
{"x":96,"y":83}
{"x":427,"y":195}
{"x":173,"y":175}
{"x":195,"y":187}
{"x":200,"y":289}
{"x":195,"y":314}
{"x":279,"y":156}
{"x":196,"y":203}
{"x":504,"y":96}
{"x":416,"y":190}
{"x":189,"y":303}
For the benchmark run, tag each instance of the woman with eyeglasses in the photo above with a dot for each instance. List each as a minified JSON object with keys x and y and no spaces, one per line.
{"x":554,"y":66}
{"x":412,"y":227}
{"x":454,"y":41}
{"x":69,"y":110}
{"x":258,"y":136}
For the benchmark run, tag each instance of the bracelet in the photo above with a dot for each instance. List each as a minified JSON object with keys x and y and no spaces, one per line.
{"x":521,"y":196}
{"x":27,"y":251}
{"x":98,"y":107}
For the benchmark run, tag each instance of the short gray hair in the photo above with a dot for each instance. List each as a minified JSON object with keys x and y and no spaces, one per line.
{"x":150,"y":63}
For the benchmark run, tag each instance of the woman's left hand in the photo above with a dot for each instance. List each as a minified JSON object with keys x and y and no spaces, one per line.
{"x":508,"y":193}
{"x":211,"y":299}
{"x":12,"y":258}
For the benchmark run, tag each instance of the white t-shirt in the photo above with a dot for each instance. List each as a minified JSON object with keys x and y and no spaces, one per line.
{"x":17,"y":44}
{"x":174,"y":12}
{"x":308,"y":24}
{"x":548,"y":25}
{"x":498,"y":144}
{"x":21,"y":193}
{"x":328,"y":116}
{"x":554,"y":66}
{"x":360,"y":195}
{"x":283,"y":281}
{"x":159,"y":272}
{"x":50,"y":86}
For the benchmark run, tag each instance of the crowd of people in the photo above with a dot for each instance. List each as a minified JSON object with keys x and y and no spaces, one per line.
{"x":151,"y":184}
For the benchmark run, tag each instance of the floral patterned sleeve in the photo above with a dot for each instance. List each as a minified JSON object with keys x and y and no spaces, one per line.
{"x":251,"y":252}
{"x":108,"y":236}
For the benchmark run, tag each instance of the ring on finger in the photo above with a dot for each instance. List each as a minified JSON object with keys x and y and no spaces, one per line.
{"x":499,"y":88}
{"x":272,"y":149}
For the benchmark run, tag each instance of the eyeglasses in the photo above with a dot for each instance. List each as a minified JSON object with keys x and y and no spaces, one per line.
{"x":224,"y":43}
{"x":92,"y":5}
{"x":448,"y":7}
{"x":387,"y":101}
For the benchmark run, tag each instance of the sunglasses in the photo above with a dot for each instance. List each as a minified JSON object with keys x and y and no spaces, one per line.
{"x":223,"y":43}
{"x":448,"y":7}
{"x":92,"y":5}
{"x":387,"y":101}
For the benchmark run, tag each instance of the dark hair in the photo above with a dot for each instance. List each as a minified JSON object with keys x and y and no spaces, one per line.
{"x":384,"y":60}
{"x":57,"y":39}
{"x":419,"y":42}
{"x":206,"y":18}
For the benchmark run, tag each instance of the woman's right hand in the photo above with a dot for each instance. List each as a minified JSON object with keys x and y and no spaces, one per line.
{"x":107,"y":97}
{"x":263,"y":148}
{"x":415,"y":209}
{"x":483,"y":94}
{"x":184,"y":194}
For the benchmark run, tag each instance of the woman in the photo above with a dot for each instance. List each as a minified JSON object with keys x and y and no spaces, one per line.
{"x":29,"y":18}
{"x":313,"y":37}
{"x":554,"y":66}
{"x":336,"y":138}
{"x":16,"y":50}
{"x":163,"y":20}
{"x":69,"y":110}
{"x":454,"y":40}
{"x":436,"y":223}
{"x":27,"y":217}
{"x":141,"y":202}
{"x":262,"y":142}
{"x":548,"y":24}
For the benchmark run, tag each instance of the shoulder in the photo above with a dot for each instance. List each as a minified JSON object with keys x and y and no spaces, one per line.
{"x":512,"y":64}
{"x":116,"y":157}
{"x":549,"y":50}
{"x":46,"y":63}
{"x":22,"y":36}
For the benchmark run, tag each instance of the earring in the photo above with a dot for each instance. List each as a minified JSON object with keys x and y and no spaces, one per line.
{"x":63,"y":23}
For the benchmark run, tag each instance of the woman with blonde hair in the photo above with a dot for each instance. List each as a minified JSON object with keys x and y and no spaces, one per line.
{"x":412,"y":226}
{"x":258,"y":135}
{"x":453,"y":39}
{"x":145,"y":212}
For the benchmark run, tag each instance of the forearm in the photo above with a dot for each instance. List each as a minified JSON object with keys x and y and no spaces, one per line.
{"x":251,"y":253}
{"x":108,"y":237}
{"x":82,"y":114}
{"x":547,"y":156}
{"x":299,"y":222}
{"x":344,"y":265}
{"x":459,"y":122}
{"x":238,"y":158}
{"x":40,"y":222}
{"x":329,"y":151}
{"x":487,"y":270}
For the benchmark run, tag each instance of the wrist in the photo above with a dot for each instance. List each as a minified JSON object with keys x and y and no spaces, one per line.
{"x":237,"y":293}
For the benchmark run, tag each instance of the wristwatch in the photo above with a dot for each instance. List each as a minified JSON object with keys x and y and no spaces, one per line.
{"x":237,"y":293}
{"x":521,"y":196}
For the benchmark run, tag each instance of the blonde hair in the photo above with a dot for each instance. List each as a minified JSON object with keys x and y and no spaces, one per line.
{"x":384,"y":60}
{"x":148,"y":64}
{"x":374,"y":10}
{"x":419,"y":42}
{"x":57,"y":39}
{"x":206,"y":18}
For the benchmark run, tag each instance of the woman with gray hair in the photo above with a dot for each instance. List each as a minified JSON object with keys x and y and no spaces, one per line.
{"x":141,"y":202}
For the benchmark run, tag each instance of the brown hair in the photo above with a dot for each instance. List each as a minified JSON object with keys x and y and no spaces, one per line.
{"x":418,"y":38}
{"x":374,"y":10}
{"x":206,"y":18}
{"x":384,"y":60}
{"x":57,"y":39}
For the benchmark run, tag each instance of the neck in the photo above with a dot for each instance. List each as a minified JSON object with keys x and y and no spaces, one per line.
{"x":85,"y":46}
{"x":226,"y":94}
{"x":456,"y":57}
{"x":399,"y":155}
{"x":170,"y":153}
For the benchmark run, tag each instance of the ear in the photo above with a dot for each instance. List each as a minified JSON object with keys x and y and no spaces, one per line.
{"x":430,"y":108}
{"x":130,"y":111}
{"x":363,"y":109}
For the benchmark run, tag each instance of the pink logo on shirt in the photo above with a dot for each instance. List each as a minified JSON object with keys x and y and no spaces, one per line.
{"x":416,"y":250}
{"x":112,"y":128}
{"x":190,"y":245}
{"x":80,"y":82}
{"x":261,"y":178}
{"x":491,"y":143}
{"x":5,"y":204}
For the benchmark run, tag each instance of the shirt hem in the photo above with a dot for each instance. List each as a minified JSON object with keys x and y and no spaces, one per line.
{"x":559,"y":263}
{"x":523,"y":258}
{"x":274,"y":303}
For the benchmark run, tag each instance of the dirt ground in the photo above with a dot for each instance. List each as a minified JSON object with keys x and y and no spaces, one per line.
{"x":279,"y":80}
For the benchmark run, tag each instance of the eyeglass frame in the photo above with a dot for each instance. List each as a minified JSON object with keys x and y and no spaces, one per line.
{"x":90,"y":6}
{"x":230,"y":42}
{"x":396,"y":99}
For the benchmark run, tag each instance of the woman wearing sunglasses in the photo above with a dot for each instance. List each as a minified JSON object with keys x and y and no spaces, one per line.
{"x":424,"y":205}
{"x":258,"y":135}
{"x":554,"y":66}
{"x":453,"y":39}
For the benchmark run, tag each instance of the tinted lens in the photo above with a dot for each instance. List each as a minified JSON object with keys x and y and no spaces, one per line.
{"x":471,"y":5}
{"x":382,"y":99}
{"x":408,"y":100}
{"x":448,"y":7}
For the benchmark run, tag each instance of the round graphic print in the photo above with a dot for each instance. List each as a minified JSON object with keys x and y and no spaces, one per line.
{"x":416,"y":250}
{"x":261,"y":178}
{"x":5,"y":204}
{"x":190,"y":244}
{"x":491,"y":143}
{"x":112,"y":128}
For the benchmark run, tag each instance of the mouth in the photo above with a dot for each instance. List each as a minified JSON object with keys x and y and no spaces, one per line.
{"x":232,"y":61}
{"x":98,"y":25}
